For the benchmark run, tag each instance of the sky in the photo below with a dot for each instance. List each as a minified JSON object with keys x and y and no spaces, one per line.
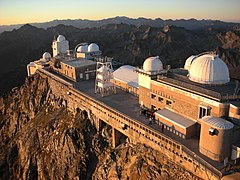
{"x":29,"y":11}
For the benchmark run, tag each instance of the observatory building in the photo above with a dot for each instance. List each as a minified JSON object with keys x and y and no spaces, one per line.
{"x":42,"y":62}
{"x":198,"y":102}
{"x":76,"y":65}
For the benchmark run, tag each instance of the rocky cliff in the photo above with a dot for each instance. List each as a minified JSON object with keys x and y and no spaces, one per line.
{"x":41,"y":139}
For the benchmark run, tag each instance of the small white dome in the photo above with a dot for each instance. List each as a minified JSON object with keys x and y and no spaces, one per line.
{"x":152,"y":64}
{"x":188,"y":62}
{"x":83,"y":48}
{"x":93,"y":47}
{"x":61,"y":38}
{"x":46,"y":56}
{"x":209,"y":69}
{"x":217,"y":122}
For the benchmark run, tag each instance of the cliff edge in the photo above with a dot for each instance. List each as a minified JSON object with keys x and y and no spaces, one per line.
{"x":41,"y":139}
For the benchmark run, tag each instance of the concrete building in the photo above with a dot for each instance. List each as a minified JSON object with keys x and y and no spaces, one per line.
{"x":74,"y":69}
{"x":182,"y":97}
{"x":216,"y":138}
{"x":86,"y":51}
{"x":32,"y":67}
{"x":197,"y":103}
{"x":60,"y":46}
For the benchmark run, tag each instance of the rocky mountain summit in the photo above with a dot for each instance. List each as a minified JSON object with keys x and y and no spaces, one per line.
{"x":41,"y":139}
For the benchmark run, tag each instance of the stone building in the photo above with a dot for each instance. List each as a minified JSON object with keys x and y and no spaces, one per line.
{"x":32,"y":67}
{"x":198,"y":101}
{"x":75,"y":69}
{"x":181,"y":98}
{"x":76,"y":65}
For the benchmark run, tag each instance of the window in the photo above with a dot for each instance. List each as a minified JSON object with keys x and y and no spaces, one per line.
{"x":168,"y":102}
{"x":204,"y":111}
{"x":153,"y":96}
{"x":160,"y":99}
{"x":81,"y":75}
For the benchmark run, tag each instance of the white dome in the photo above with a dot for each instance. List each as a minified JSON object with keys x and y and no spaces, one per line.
{"x":46,"y":56}
{"x":93,"y":47}
{"x":61,"y":38}
{"x":152,"y":64}
{"x":188,"y":62}
{"x":217,"y":122}
{"x":209,"y":69}
{"x":83,"y":48}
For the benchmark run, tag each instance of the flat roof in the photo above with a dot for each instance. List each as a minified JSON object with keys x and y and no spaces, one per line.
{"x":79,"y":62}
{"x":175,"y":118}
{"x":178,"y":77}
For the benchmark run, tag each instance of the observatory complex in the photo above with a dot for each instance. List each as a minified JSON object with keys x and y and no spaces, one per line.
{"x":191,"y":114}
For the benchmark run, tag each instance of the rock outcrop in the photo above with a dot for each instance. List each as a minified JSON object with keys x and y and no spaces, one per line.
{"x":41,"y":139}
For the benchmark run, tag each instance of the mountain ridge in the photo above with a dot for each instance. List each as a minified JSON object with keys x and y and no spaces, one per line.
{"x":191,"y":24}
{"x":128,"y":44}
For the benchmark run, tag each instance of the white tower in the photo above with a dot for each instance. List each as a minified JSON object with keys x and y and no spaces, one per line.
{"x":60,"y":46}
{"x":104,"y":77}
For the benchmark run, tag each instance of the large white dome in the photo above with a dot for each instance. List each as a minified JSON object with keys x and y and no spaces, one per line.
{"x":46,"y":56}
{"x":152,"y":64}
{"x":209,"y":69}
{"x":188,"y":62}
{"x":61,"y":38}
{"x":93,"y":47}
{"x":83,"y":48}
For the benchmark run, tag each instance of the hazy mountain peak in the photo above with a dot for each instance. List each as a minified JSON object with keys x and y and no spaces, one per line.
{"x":190,"y":24}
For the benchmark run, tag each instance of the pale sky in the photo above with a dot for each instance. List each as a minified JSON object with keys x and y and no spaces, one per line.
{"x":29,"y":11}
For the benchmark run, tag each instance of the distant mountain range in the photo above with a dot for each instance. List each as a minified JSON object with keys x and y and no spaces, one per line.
{"x":190,"y":24}
{"x":128,"y":44}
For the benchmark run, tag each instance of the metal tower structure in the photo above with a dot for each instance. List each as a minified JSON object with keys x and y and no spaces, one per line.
{"x":104,"y":77}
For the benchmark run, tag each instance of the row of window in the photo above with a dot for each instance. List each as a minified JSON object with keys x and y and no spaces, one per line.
{"x":161,"y":94}
{"x":161,"y":99}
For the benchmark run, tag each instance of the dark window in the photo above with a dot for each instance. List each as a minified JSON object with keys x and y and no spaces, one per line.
{"x":168,"y":102}
{"x":153,"y":96}
{"x":203,"y":111}
{"x":160,"y":99}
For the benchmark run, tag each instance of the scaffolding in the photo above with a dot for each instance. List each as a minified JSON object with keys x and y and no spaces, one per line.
{"x":104,"y":77}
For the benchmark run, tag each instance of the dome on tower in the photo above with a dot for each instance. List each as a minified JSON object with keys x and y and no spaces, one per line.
{"x":188,"y":62}
{"x":61,"y":38}
{"x":217,"y":122}
{"x":209,"y":69}
{"x":152,"y":64}
{"x":46,"y":56}
{"x":93,"y":47}
{"x":83,"y":48}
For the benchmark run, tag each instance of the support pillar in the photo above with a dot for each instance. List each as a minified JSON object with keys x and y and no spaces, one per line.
{"x":116,"y":135}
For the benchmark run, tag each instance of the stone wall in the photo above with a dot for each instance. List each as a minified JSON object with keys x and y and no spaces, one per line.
{"x":134,"y":130}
